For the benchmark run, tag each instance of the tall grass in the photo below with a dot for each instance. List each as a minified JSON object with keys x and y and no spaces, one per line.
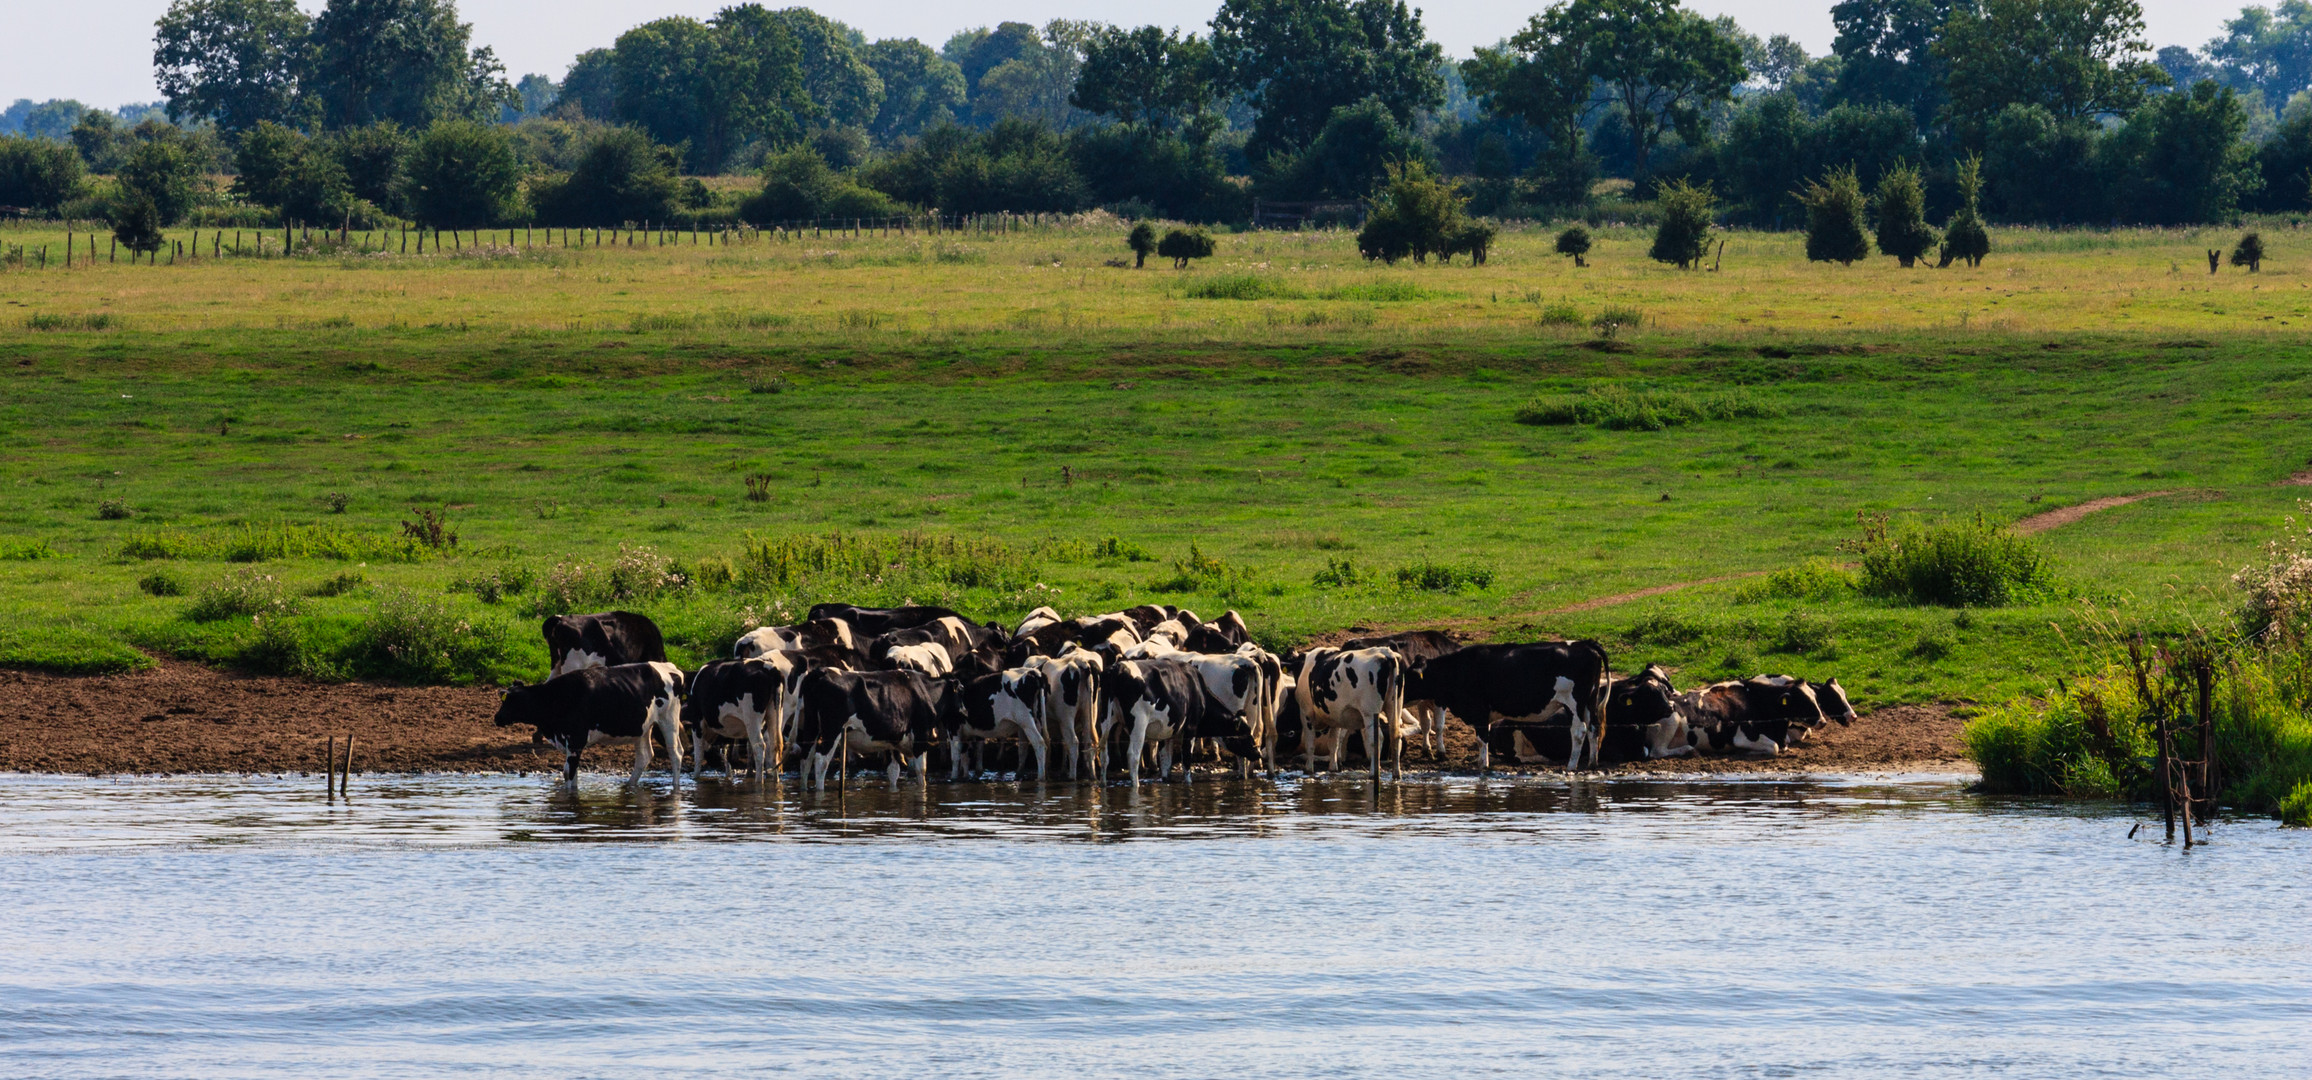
{"x":837,"y":558}
{"x":1619,"y":408}
{"x":1241,"y":287}
{"x":1953,"y":564}
{"x":262,"y":541}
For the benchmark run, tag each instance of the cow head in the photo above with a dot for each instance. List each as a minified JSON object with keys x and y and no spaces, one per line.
{"x":1832,"y":698}
{"x":519,"y":704}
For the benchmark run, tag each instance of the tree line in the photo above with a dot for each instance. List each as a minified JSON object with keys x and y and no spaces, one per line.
{"x":386,"y":109}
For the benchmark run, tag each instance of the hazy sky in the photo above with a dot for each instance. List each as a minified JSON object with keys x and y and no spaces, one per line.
{"x":100,"y":51}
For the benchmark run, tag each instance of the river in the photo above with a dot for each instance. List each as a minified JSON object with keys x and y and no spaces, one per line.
{"x":500,"y":926}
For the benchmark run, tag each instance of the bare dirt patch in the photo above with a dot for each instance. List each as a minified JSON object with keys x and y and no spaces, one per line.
{"x":2301,"y":479}
{"x":2039,"y":523}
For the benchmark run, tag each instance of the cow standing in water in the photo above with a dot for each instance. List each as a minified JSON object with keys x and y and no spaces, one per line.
{"x":602,"y":639}
{"x":603,"y":704}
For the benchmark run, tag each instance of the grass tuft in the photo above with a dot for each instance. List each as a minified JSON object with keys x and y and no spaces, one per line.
{"x":1618,"y":408}
{"x":1241,"y":287}
{"x":1953,"y":564}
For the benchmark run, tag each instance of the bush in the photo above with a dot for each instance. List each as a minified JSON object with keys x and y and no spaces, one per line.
{"x":1803,"y":634}
{"x":1903,"y":231}
{"x":1560,"y":315}
{"x":1953,"y":564}
{"x":1966,"y":239}
{"x":1415,"y":214}
{"x":1834,"y":219}
{"x":1360,"y":147}
{"x":1574,"y":241}
{"x":1660,"y":627}
{"x":2276,"y":594}
{"x":340,"y":584}
{"x":245,"y":592}
{"x":1340,"y":574}
{"x":136,"y":224}
{"x":463,"y":175}
{"x":1618,"y":408}
{"x":1684,"y":234}
{"x":1181,"y":245}
{"x":1017,"y":165}
{"x":410,"y":638}
{"x":166,"y":173}
{"x":38,"y":173}
{"x":798,"y":185}
{"x":2249,"y":253}
{"x":620,"y":177}
{"x":161,"y":583}
{"x":1613,"y":320}
{"x":1142,"y":241}
{"x":27,"y":551}
{"x":2296,"y":808}
{"x":1207,"y":574}
{"x":1815,"y":579}
{"x":1429,"y":576}
{"x":114,"y":510}
{"x":1241,"y":287}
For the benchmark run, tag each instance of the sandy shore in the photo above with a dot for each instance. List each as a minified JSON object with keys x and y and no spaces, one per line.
{"x":186,"y":718}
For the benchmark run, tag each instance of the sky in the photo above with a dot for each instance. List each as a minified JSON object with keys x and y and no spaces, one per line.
{"x":100,"y":51}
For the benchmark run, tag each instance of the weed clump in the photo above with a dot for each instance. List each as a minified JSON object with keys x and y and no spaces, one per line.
{"x":415,"y":639}
{"x":1427,"y":576}
{"x":1618,"y":408}
{"x":114,"y":510}
{"x":27,"y":551}
{"x":1242,"y":287}
{"x":340,"y":584}
{"x":1208,"y":574}
{"x":242,"y":593}
{"x":1660,"y":627}
{"x":1803,"y":635}
{"x":1952,"y":564}
{"x":160,"y":583}
{"x":1814,"y":579}
{"x":2296,"y":807}
{"x":1340,"y":574}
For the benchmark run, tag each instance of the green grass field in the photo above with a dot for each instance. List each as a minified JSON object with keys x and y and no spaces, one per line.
{"x":1344,"y":453}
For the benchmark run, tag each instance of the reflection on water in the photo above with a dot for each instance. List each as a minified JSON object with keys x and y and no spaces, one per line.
{"x":224,"y":926}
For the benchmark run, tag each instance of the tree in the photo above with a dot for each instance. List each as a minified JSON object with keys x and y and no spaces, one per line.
{"x":590,"y":87}
{"x":845,"y":89}
{"x":2044,"y":169}
{"x":535,"y":93}
{"x":1037,"y":84}
{"x":235,"y":62}
{"x":714,"y":86}
{"x":1903,"y":231}
{"x":401,"y":60}
{"x":102,"y":144}
{"x":1149,"y":75}
{"x":1834,"y":219}
{"x":2269,"y":49}
{"x":2249,"y":253}
{"x":1016,"y":165}
{"x":920,"y":88}
{"x":1574,"y":241}
{"x":1659,"y":63}
{"x":37,"y":173}
{"x":1763,"y":154}
{"x":463,"y":175}
{"x":2285,"y":161}
{"x":136,"y":223}
{"x":2078,"y":59}
{"x":1142,"y":241}
{"x":1966,"y":238}
{"x":1354,"y":152}
{"x":798,"y":185}
{"x":1295,"y":61}
{"x":1181,"y":245}
{"x":1886,"y":53}
{"x":1175,"y":176}
{"x":373,"y":157}
{"x":1415,"y":214}
{"x":279,"y":167}
{"x":2182,"y":159}
{"x":1543,"y":81}
{"x":51,"y":119}
{"x":166,"y":171}
{"x":1684,"y":234}
{"x":621,"y":176}
{"x":977,"y":52}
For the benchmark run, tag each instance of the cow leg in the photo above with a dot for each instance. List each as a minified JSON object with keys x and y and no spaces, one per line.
{"x":670,"y":722}
{"x":1308,"y":750}
{"x":1133,"y":743}
{"x":1376,"y":748}
{"x":1484,"y":721}
{"x":892,"y":771}
{"x":1036,"y":743}
{"x":641,"y":755}
{"x":570,"y":761}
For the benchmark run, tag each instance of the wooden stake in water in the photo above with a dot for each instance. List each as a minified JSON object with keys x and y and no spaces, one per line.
{"x":329,"y":769}
{"x":345,"y":784}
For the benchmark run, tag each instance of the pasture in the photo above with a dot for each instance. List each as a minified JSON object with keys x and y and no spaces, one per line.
{"x":1000,"y":420}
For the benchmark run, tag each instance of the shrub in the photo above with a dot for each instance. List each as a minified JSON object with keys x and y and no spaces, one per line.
{"x":1684,"y":234}
{"x":337,"y":501}
{"x":2276,"y":595}
{"x":37,"y":173}
{"x":1660,"y":627}
{"x":1560,"y":315}
{"x":1834,"y":218}
{"x":463,"y":175}
{"x":244,"y":592}
{"x":1966,"y":238}
{"x":1142,"y":241}
{"x":113,"y":510}
{"x":799,"y":185}
{"x":1202,"y":573}
{"x":1181,"y":245}
{"x":2249,"y":253}
{"x":2296,"y":808}
{"x":1903,"y":231}
{"x":1614,"y":320}
{"x":1814,"y":579}
{"x":1618,"y":408}
{"x":1241,"y":287}
{"x":27,"y":551}
{"x":164,"y":172}
{"x":419,"y":640}
{"x":1575,"y":241}
{"x":340,"y":584}
{"x":431,"y":530}
{"x":495,"y":585}
{"x":161,"y":583}
{"x":1416,"y":213}
{"x":1952,"y":564}
{"x":1340,"y":574}
{"x":1474,"y":239}
{"x":136,"y":224}
{"x":1117,"y":548}
{"x":1429,"y":576}
{"x":621,"y":176}
{"x":1803,"y":634}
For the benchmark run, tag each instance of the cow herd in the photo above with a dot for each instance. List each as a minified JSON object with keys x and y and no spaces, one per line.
{"x":1139,"y":690}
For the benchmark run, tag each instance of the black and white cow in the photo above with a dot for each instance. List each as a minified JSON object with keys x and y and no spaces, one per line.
{"x":897,"y":712}
{"x":1072,"y":704}
{"x":816,"y":634}
{"x":1238,"y":688}
{"x":1360,"y":690}
{"x":1749,"y":715}
{"x":1046,"y":639}
{"x":1418,"y":647}
{"x":603,"y":704}
{"x":876,"y":622}
{"x":753,"y":701}
{"x":1005,"y":705}
{"x":1642,"y":719}
{"x":1829,"y":695}
{"x":1160,"y":703}
{"x":603,"y":639}
{"x":1508,"y":687}
{"x":953,"y":637}
{"x":1034,"y":621}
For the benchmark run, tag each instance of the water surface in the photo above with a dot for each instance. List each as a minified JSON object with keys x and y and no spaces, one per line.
{"x":226,"y":926}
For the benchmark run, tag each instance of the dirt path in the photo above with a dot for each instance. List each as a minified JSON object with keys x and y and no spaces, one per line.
{"x":2302,"y":479}
{"x":2052,"y":519}
{"x":1624,"y":598}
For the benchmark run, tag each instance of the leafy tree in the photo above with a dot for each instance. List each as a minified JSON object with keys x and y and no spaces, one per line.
{"x":1179,"y":177}
{"x":1142,"y":241}
{"x":1295,"y":61}
{"x":845,"y":89}
{"x":1544,"y":81}
{"x":1354,"y":152}
{"x":1903,"y":231}
{"x":534,"y":95}
{"x":1763,"y":154}
{"x":1872,"y":138}
{"x":37,"y":173}
{"x":51,"y":119}
{"x":2183,"y":66}
{"x":279,"y":167}
{"x":2268,"y":49}
{"x":235,"y":62}
{"x":920,"y":88}
{"x":621,"y":176}
{"x":1660,"y":64}
{"x":2249,"y":253}
{"x":714,"y":86}
{"x":166,"y":170}
{"x":1684,"y":234}
{"x":798,"y":185}
{"x":401,"y":60}
{"x":2077,"y":59}
{"x":1415,"y":214}
{"x":2182,"y":159}
{"x":137,"y":222}
{"x":1149,"y":75}
{"x":1016,"y":166}
{"x":373,"y":158}
{"x":1887,"y":56}
{"x":101,"y":141}
{"x":2285,"y":163}
{"x":1575,"y":241}
{"x":463,"y":175}
{"x":1966,"y":238}
{"x":1037,"y":84}
{"x":2043,"y":169}
{"x":1181,"y":245}
{"x":1834,"y":219}
{"x":590,"y":87}
{"x":977,"y":52}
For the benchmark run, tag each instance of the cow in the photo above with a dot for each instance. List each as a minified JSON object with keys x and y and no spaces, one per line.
{"x":876,"y":622}
{"x":1829,"y":695}
{"x":1162,"y":703}
{"x":1072,"y":704}
{"x":1146,"y":616}
{"x":929,"y":658}
{"x":897,"y":712}
{"x":1750,"y":715}
{"x":1238,"y":687}
{"x":1520,"y":685}
{"x":1036,"y":620}
{"x":1110,"y":635}
{"x":742,"y":701}
{"x":1349,"y":690}
{"x":1417,"y":647}
{"x":818,"y":633}
{"x":603,"y":704}
{"x":1045,"y":640}
{"x":1642,"y":719}
{"x":603,"y":639}
{"x":1007,"y":704}
{"x":951,"y":633}
{"x":1221,"y":635}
